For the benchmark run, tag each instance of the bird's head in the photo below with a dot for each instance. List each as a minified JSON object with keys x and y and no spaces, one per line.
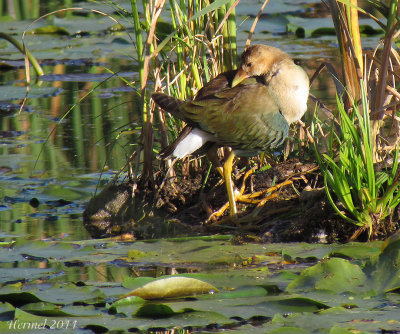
{"x":259,"y":61}
{"x":288,"y":83}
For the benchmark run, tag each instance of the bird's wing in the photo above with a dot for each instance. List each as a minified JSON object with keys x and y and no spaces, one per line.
{"x":244,"y":117}
{"x":220,"y":82}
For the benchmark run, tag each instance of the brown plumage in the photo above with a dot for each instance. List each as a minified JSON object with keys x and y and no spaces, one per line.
{"x":249,"y":109}
{"x":170,"y":104}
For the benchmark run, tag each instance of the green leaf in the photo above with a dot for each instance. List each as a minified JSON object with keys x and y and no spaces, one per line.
{"x":6,"y":308}
{"x":8,"y":93}
{"x":288,"y":330}
{"x":299,"y":304}
{"x":71,"y":293}
{"x":45,"y":309}
{"x":19,"y":298}
{"x":154,"y":311}
{"x":49,"y":29}
{"x":244,"y":292}
{"x":26,"y":317}
{"x":336,"y":275}
{"x":339,"y":330}
{"x":127,"y":306}
{"x":136,"y":282}
{"x":385,"y":269}
{"x":357,"y":251}
{"x":172,"y":287}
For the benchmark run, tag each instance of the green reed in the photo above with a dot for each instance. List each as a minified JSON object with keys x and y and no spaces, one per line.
{"x":367,"y":195}
{"x":365,"y":113}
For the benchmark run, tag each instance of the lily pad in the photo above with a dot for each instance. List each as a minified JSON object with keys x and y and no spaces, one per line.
{"x":385,"y":269}
{"x":172,"y":287}
{"x":9,"y":93}
{"x":49,"y":29}
{"x":315,"y":27}
{"x":335,"y":274}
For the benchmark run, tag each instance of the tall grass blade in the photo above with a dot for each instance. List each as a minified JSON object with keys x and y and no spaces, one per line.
{"x":211,"y":7}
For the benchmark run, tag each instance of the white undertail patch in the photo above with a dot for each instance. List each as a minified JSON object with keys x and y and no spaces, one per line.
{"x":191,"y":143}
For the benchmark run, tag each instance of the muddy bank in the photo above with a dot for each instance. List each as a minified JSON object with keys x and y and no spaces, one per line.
{"x":296,"y":209}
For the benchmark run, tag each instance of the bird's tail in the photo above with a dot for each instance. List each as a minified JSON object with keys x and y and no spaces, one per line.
{"x":168,"y":103}
{"x":168,"y":151}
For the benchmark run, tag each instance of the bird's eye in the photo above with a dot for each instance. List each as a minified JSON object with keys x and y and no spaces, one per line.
{"x":249,"y":64}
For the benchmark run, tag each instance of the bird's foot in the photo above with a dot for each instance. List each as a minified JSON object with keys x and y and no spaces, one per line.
{"x":251,"y":198}
{"x":215,"y":215}
{"x":238,"y":193}
{"x":267,"y":193}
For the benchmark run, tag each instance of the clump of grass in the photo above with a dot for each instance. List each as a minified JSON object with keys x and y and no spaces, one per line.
{"x":367,"y":196}
{"x":366,"y":114}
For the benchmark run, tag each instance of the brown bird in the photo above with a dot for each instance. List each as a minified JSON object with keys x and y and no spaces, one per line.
{"x":249,"y":109}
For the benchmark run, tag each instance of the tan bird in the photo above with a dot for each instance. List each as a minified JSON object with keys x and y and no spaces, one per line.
{"x":249,"y":109}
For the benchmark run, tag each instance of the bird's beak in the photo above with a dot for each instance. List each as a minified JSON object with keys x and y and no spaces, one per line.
{"x":239,"y":77}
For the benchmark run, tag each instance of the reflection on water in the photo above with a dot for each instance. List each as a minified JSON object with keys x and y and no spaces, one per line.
{"x":49,"y":273}
{"x":49,"y":156}
{"x":66,"y":143}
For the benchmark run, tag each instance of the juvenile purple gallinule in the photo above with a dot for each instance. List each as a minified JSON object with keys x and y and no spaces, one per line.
{"x":249,"y":109}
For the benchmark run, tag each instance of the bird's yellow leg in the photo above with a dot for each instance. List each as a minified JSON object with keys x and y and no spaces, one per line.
{"x":237,"y":195}
{"x":229,"y":184}
{"x":225,"y":172}
{"x":227,"y":175}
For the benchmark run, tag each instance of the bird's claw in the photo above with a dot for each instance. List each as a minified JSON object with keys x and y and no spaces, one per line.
{"x":246,"y":198}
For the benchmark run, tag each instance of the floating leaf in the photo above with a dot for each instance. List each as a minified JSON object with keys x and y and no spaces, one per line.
{"x":8,"y":93}
{"x":77,"y":24}
{"x":385,"y":269}
{"x":49,"y":29}
{"x":44,"y":309}
{"x":298,"y":304}
{"x":17,"y":274}
{"x":368,"y":30}
{"x":325,"y":31}
{"x":6,"y":308}
{"x":127,"y":306}
{"x":70,"y":293}
{"x":19,"y":298}
{"x":135,"y":254}
{"x":357,"y":251}
{"x":339,"y":330}
{"x":336,"y":275}
{"x":288,"y":330}
{"x":128,"y":301}
{"x":154,"y":311}
{"x":320,"y":26}
{"x":172,"y":287}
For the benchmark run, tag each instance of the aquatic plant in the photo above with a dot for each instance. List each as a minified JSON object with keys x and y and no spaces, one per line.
{"x":359,"y":133}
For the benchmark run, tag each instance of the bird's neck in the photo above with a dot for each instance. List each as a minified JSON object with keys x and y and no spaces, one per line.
{"x":289,"y":87}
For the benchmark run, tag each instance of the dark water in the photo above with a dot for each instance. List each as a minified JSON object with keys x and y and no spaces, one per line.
{"x":50,"y":165}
